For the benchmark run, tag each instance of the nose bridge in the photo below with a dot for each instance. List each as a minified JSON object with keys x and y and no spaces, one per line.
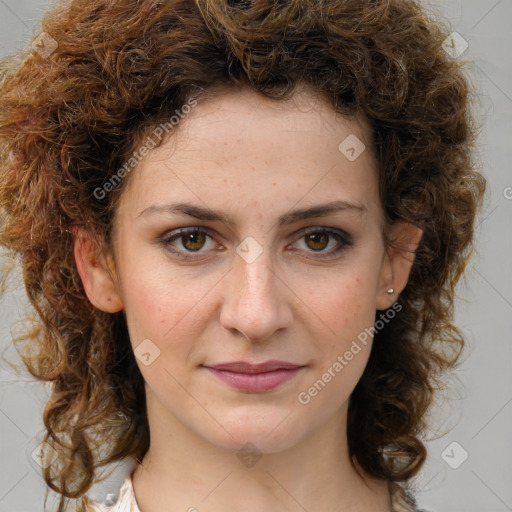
{"x":255,"y":304}
{"x":255,"y":276}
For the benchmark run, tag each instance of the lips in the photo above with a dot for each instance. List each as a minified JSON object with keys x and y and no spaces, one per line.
{"x":243,"y":367}
{"x":255,"y":378}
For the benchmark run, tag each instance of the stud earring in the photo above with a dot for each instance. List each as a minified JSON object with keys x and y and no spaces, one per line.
{"x":391,"y":291}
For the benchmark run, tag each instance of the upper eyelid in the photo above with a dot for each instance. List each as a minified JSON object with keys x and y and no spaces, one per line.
{"x":213,"y":233}
{"x":345,"y":237}
{"x":325,"y":229}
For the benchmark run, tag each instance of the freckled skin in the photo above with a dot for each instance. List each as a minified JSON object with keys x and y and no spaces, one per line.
{"x":287,"y":305}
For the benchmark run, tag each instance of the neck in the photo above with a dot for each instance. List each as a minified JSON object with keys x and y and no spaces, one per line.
{"x":184,"y":471}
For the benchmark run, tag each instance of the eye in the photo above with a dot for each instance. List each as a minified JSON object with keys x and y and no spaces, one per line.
{"x":316,"y":240}
{"x":188,"y":240}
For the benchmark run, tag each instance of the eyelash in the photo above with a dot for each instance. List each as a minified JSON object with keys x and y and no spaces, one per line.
{"x":343,"y":238}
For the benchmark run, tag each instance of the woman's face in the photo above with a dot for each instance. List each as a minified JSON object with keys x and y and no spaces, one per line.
{"x":284,"y":260}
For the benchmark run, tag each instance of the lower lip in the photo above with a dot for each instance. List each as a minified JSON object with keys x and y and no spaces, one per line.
{"x":255,"y":382}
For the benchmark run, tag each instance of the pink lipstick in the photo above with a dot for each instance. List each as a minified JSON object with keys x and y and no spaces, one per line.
{"x":255,"y":378}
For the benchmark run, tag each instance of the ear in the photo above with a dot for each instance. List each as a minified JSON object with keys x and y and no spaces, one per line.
{"x":97,"y":273}
{"x":397,"y":262}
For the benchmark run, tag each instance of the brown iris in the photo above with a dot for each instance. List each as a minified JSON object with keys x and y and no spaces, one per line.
{"x":318,"y":240}
{"x":193,"y":241}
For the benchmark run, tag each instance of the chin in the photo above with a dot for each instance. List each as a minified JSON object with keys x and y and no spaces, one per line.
{"x":268,"y":431}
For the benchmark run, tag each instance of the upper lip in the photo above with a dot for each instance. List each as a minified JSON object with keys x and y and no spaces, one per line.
{"x":244,"y":367}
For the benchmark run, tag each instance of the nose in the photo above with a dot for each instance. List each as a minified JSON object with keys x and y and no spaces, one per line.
{"x":257,"y":303}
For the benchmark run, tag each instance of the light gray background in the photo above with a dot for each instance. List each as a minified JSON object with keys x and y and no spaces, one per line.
{"x":476,"y":412}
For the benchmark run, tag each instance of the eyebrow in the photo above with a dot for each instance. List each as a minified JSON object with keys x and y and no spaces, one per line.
{"x":208,"y":214}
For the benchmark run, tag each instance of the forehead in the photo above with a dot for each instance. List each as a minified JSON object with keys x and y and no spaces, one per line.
{"x":238,"y":140}
{"x":238,"y":112}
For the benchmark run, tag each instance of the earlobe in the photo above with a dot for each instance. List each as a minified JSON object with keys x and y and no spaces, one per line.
{"x":396,"y":267}
{"x":98,"y":277}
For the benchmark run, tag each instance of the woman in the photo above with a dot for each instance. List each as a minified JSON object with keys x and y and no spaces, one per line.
{"x":277,"y":351}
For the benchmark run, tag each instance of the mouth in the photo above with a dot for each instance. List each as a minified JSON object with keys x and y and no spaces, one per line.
{"x":255,"y":378}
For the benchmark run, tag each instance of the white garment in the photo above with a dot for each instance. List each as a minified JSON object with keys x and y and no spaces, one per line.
{"x":125,"y":503}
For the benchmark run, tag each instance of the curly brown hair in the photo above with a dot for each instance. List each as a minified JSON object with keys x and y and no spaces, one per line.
{"x":69,"y":120}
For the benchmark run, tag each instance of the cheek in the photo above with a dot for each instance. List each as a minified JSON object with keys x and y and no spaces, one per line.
{"x":343,"y":342}
{"x":346,"y":305}
{"x":160,"y":310}
{"x":162,"y":303}
{"x":147,"y":294}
